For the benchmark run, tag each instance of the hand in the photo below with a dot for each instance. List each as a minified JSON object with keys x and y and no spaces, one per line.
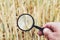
{"x":51,"y":31}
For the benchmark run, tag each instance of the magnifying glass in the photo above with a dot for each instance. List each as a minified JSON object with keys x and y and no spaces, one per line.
{"x":26,"y":22}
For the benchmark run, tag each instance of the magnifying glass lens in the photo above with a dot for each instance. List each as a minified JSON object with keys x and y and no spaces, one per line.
{"x":25,"y":22}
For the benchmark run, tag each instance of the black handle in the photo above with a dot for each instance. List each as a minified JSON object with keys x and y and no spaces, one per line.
{"x":41,"y":29}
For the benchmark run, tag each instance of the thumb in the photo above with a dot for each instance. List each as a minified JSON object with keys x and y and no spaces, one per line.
{"x":47,"y":32}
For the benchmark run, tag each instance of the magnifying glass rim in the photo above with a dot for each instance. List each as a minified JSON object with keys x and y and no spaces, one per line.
{"x":32,"y":20}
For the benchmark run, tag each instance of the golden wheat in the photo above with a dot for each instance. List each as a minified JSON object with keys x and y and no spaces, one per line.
{"x":43,"y":11}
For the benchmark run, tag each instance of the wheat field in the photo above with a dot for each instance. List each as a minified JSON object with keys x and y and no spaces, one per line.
{"x":43,"y":11}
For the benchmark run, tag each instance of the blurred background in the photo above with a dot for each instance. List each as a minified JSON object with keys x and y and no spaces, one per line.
{"x":43,"y":11}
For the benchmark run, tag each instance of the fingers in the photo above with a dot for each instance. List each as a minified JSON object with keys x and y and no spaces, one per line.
{"x":39,"y":33}
{"x":51,"y":26}
{"x":48,"y":33}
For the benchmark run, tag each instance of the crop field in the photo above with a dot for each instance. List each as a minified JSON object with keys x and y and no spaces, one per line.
{"x":43,"y":11}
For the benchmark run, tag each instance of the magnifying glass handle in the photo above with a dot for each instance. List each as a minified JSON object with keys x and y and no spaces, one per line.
{"x":41,"y":29}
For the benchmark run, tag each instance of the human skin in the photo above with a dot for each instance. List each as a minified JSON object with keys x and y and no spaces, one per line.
{"x":51,"y":31}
